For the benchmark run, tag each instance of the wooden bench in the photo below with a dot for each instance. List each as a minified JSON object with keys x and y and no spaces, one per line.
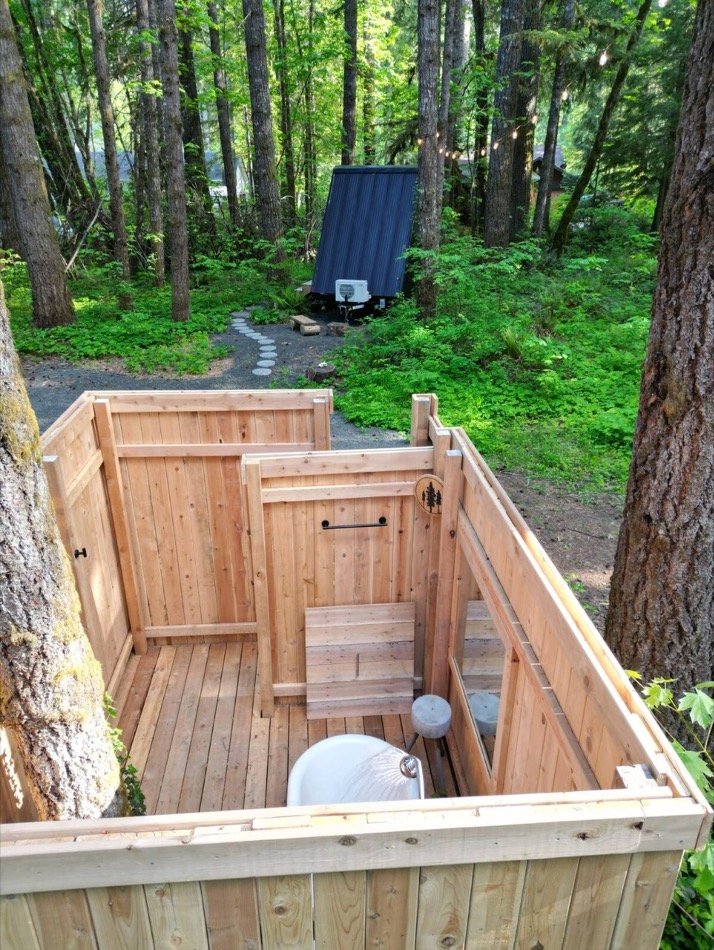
{"x":359,"y":659}
{"x":306,"y":325}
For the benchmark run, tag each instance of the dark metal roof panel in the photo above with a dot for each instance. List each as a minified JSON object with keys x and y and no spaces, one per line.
{"x":366,"y":229}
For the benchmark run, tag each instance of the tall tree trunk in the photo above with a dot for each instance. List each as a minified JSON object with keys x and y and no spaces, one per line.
{"x":429,"y":183}
{"x":51,"y":302}
{"x":442,"y":120}
{"x":526,"y":104}
{"x":459,"y":59}
{"x":545,"y":182}
{"x":10,"y":238}
{"x":106,"y":113}
{"x":498,"y":214}
{"x":661,"y":616}
{"x":481,"y":134}
{"x":200,"y":202}
{"x":75,"y":194}
{"x":224,"y":114}
{"x":266,"y":182}
{"x":310,"y":146}
{"x":150,"y":135}
{"x":51,"y":689}
{"x":369,"y":134}
{"x":561,"y":232}
{"x":286,"y":122}
{"x":173,"y":150}
{"x":349,"y":84}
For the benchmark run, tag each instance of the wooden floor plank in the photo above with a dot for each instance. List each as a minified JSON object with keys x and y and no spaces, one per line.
{"x":153,"y":774}
{"x":234,"y":791}
{"x":277,"y":782}
{"x":181,"y":742}
{"x":217,"y":765}
{"x":193,"y":711}
{"x":195,"y":773}
{"x":130,"y":714}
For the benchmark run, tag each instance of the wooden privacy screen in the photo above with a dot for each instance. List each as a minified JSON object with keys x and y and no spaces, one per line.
{"x":568,"y":716}
{"x":179,"y":457}
{"x":299,"y":564}
{"x":74,"y":461}
{"x":359,"y":660}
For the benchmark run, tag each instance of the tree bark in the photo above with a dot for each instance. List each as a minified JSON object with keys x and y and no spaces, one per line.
{"x":526,"y":105}
{"x":561,"y":233}
{"x":482,"y":114}
{"x":286,"y":122}
{"x":51,"y":689}
{"x":369,"y":135}
{"x":200,"y":203}
{"x":173,"y":150}
{"x":150,"y":134}
{"x":661,"y":616}
{"x":266,"y":182}
{"x":106,"y":113}
{"x":429,"y":197}
{"x":442,"y":121}
{"x":51,"y":302}
{"x":10,"y":238}
{"x":349,"y":84}
{"x":310,"y":146}
{"x":498,"y":224}
{"x":545,"y":181}
{"x":224,"y":114}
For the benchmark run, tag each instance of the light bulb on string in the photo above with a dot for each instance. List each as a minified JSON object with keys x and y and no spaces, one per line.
{"x":514,"y":134}
{"x":662,"y":3}
{"x":495,"y":146}
{"x":420,"y":142}
{"x":565,"y":95}
{"x":483,"y":152}
{"x":603,"y":57}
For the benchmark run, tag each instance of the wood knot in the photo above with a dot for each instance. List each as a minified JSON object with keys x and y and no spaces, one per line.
{"x":411,"y":841}
{"x":347,"y":840}
{"x":448,"y":941}
{"x":280,"y":909}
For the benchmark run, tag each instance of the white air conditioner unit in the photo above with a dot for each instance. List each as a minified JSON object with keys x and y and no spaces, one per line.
{"x":351,"y":291}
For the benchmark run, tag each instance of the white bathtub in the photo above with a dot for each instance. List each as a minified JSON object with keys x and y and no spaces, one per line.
{"x":352,"y":768}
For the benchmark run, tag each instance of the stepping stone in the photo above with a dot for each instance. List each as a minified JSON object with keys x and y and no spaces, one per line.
{"x":265,"y":363}
{"x":262,"y":371}
{"x":265,"y":347}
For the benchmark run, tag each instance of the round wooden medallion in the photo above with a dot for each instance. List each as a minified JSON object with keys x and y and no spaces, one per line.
{"x":428,"y":491}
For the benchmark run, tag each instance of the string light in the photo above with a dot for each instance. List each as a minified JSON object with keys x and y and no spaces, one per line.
{"x":483,"y":152}
{"x":514,"y":134}
{"x":495,"y":146}
{"x":662,"y":3}
{"x":534,"y":120}
{"x":565,"y":95}
{"x":603,"y":57}
{"x":420,"y":142}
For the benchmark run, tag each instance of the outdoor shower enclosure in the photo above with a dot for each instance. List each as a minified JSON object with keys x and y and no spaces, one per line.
{"x":248,"y":591}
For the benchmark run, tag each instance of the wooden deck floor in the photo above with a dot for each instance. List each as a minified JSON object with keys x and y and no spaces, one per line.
{"x":190,"y":718}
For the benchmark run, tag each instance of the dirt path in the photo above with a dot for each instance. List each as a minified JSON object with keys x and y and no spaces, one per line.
{"x":580,"y":535}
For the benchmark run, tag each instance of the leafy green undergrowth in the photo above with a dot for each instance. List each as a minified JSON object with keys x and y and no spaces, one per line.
{"x":538,"y":360}
{"x":143,"y":335}
{"x":690,"y":924}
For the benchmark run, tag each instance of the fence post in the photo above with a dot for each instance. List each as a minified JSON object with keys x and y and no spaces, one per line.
{"x":421,"y":406}
{"x":117,"y":508}
{"x":321,"y":416}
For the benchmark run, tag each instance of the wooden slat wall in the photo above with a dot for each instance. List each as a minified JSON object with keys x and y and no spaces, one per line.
{"x":73,"y":462}
{"x":307,"y":566}
{"x":601,"y":901}
{"x":180,"y":459}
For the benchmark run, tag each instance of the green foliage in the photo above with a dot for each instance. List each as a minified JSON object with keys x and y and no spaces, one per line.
{"x":690,"y":923}
{"x":538,"y":360}
{"x":144,"y":336}
{"x":131,"y":787}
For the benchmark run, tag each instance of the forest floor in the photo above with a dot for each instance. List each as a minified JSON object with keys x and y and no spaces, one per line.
{"x":579,"y":531}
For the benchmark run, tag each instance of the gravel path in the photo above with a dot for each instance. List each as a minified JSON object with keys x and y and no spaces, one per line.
{"x":280,"y":355}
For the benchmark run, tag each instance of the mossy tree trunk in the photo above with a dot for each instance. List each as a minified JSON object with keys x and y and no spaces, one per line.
{"x":661,"y":616}
{"x":51,"y":302}
{"x":51,"y":686}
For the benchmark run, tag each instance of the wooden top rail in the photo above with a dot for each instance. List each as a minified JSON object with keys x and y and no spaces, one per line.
{"x":211,"y":400}
{"x":277,"y":842}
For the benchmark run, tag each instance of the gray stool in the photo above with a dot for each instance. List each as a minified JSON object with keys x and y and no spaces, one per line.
{"x":431,"y":719}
